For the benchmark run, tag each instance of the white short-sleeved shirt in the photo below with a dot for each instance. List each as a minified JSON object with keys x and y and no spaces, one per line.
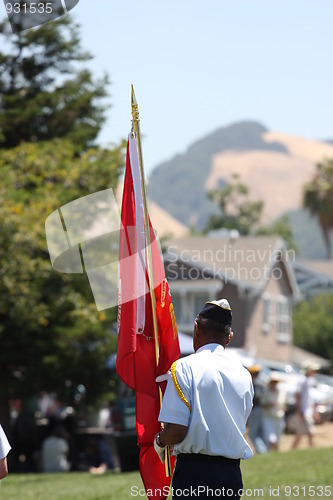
{"x":219,"y":392}
{"x":4,"y":445}
{"x":54,"y":451}
{"x":303,"y":388}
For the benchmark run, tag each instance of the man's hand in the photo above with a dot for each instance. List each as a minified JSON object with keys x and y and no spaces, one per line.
{"x":160,"y":450}
{"x":171,"y":434}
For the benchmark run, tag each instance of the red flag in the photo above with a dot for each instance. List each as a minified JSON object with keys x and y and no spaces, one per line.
{"x":136,"y":358}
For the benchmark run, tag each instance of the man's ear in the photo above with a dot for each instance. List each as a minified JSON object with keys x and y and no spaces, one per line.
{"x":196,"y":333}
{"x":231,"y":334}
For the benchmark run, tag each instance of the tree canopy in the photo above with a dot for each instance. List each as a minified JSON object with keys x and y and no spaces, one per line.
{"x":46,"y":89}
{"x":51,"y":110}
{"x":238,"y":212}
{"x":282,"y":228}
{"x":318,"y":199}
{"x":50,"y":328}
{"x":313,"y":328}
{"x":236,"y":209}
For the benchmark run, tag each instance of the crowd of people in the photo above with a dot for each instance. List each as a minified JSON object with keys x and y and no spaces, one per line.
{"x":44,"y":438}
{"x":267,"y":420}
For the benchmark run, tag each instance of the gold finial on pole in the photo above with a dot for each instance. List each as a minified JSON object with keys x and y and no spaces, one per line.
{"x":135,"y":107}
{"x":137,"y":133}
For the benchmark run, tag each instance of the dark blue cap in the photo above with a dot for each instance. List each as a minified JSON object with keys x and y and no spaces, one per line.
{"x":217,"y":310}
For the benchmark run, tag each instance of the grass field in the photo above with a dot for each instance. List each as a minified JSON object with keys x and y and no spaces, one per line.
{"x":299,"y":473}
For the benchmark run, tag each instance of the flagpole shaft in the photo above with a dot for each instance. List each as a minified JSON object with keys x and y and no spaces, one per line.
{"x":137,"y":132}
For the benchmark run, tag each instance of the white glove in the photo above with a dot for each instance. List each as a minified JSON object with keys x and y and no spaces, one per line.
{"x":164,"y":377}
{"x":159,"y":449}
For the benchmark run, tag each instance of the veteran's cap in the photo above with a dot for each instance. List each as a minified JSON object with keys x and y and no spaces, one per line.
{"x":217,"y":310}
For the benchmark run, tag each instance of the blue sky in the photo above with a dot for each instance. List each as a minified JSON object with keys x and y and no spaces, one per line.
{"x":199,"y":65}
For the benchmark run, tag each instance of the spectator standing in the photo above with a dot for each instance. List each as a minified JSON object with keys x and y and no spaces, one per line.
{"x":305,"y":405}
{"x":273,"y":408}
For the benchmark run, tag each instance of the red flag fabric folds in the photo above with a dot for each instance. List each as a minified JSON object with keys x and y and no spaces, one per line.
{"x":136,"y":358}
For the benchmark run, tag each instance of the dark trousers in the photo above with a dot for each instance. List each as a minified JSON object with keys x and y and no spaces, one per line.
{"x":206,"y":477}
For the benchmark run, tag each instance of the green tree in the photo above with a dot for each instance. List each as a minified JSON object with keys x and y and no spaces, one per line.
{"x":50,"y":329}
{"x":46,"y":89}
{"x":238,"y":212}
{"x":318,"y":199}
{"x":313,"y":328}
{"x":280,"y":227}
{"x":51,"y":110}
{"x":236,"y":209}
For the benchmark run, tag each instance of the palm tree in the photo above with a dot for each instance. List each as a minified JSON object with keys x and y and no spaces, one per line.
{"x":318,"y":199}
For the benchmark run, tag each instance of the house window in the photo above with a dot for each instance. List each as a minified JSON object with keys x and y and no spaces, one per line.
{"x":199,"y":300}
{"x":186,"y":306}
{"x":268,"y":314}
{"x":283,"y":325}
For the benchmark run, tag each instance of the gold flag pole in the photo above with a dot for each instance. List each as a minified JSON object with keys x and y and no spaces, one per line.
{"x":137,"y":132}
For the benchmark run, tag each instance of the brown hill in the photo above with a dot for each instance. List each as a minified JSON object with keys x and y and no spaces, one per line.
{"x":275,"y":177}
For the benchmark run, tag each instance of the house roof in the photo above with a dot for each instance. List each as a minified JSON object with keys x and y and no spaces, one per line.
{"x":313,"y":274}
{"x":244,"y":260}
{"x":318,"y":267}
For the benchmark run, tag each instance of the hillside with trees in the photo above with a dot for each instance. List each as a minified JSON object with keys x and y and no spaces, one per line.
{"x":178,"y":184}
{"x":274,"y":167}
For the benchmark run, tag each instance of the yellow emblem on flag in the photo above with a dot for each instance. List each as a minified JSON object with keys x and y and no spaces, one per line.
{"x":173,"y":321}
{"x":163,"y":292}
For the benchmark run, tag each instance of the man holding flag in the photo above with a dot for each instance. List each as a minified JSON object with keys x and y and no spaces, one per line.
{"x":205,"y":408}
{"x":147,"y":332}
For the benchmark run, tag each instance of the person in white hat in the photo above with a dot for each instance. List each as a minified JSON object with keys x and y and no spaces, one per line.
{"x":4,"y":450}
{"x":205,"y":408}
{"x":305,"y":406}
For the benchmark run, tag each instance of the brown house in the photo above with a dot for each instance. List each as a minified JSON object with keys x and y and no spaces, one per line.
{"x":254,"y":273}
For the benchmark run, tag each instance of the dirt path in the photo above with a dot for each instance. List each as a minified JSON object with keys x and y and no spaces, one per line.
{"x":323,"y":438}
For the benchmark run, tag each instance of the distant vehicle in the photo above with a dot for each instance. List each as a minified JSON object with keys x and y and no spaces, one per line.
{"x":323,"y":385}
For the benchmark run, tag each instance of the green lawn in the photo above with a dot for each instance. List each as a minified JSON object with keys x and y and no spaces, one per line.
{"x":299,"y":473}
